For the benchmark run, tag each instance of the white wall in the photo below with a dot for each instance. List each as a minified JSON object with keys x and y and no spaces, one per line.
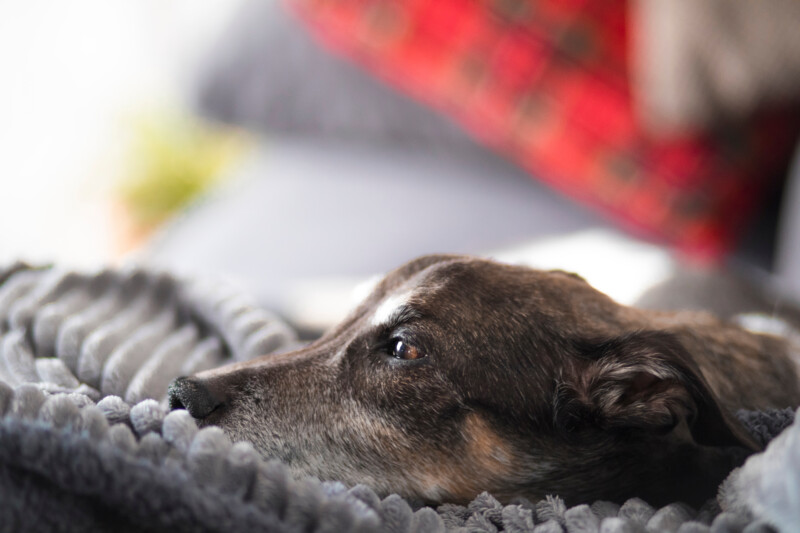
{"x":72,"y":75}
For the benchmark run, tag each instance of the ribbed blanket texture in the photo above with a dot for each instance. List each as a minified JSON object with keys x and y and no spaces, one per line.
{"x":87,"y":442}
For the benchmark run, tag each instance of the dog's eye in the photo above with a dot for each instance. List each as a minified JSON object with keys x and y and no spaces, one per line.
{"x":402,"y":350}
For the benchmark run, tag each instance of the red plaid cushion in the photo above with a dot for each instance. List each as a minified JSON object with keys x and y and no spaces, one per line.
{"x":547,"y":82}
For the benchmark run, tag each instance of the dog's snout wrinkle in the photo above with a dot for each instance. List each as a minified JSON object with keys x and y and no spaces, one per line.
{"x":193,"y":395}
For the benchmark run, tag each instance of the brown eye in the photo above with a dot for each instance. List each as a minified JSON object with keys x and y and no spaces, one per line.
{"x":401,"y":350}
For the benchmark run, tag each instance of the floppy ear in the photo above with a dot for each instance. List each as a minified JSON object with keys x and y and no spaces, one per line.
{"x":648,"y":381}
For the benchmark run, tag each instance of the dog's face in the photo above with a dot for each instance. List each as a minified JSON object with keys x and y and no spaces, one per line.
{"x":459,"y":375}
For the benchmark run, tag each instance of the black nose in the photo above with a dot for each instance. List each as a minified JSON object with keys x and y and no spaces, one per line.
{"x":194,"y":396}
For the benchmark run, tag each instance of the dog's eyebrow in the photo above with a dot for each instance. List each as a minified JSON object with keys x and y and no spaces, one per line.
{"x":402,"y":315}
{"x":393,"y":311}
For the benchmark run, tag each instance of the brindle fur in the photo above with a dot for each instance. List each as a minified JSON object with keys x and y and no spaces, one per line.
{"x":534,"y":383}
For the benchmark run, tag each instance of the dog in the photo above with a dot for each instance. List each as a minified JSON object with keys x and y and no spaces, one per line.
{"x":459,"y":375}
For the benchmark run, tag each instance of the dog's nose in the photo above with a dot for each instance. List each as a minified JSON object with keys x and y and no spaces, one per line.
{"x":194,"y":396}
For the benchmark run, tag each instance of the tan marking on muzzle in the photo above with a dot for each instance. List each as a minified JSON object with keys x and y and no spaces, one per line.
{"x":483,"y":462}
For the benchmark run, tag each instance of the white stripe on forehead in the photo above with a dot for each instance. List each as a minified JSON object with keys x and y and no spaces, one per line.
{"x":389,"y":307}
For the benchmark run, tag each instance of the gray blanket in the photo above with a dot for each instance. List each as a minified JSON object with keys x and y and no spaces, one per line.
{"x":87,"y":442}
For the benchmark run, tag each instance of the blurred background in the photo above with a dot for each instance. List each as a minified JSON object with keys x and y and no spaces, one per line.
{"x":300,"y":148}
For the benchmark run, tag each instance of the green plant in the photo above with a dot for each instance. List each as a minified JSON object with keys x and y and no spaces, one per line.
{"x":174,"y":159}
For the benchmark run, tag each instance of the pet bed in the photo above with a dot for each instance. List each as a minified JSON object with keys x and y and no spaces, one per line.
{"x":87,"y":442}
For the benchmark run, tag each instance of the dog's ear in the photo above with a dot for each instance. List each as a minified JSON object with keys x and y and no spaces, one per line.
{"x":646,"y":381}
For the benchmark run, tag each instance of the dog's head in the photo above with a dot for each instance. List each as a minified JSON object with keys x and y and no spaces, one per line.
{"x":459,"y":375}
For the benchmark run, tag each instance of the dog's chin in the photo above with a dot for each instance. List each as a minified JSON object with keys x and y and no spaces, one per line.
{"x":322,"y":463}
{"x":267,"y":443}
{"x":204,"y":423}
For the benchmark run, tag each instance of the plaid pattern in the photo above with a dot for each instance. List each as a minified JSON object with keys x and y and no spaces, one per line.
{"x":547,"y":82}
